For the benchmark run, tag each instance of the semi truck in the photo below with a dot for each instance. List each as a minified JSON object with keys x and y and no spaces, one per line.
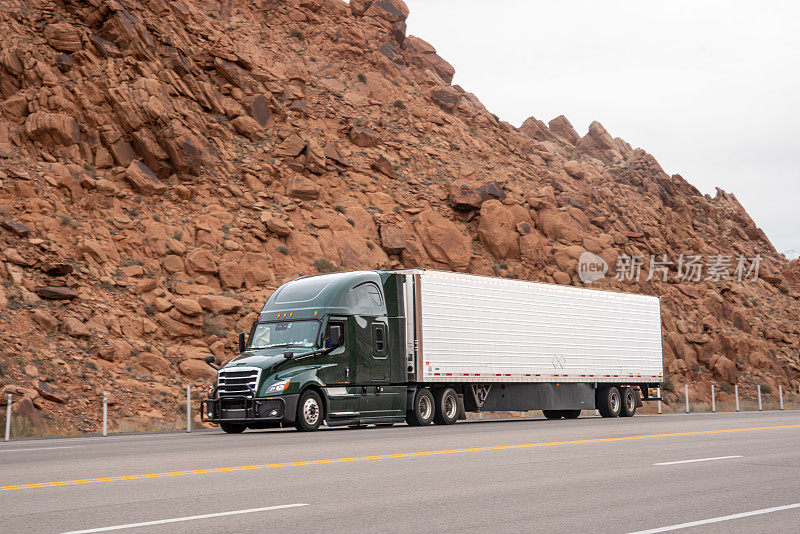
{"x":425,"y":346}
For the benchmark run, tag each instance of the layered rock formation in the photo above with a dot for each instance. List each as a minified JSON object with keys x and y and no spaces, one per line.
{"x":164,"y":165}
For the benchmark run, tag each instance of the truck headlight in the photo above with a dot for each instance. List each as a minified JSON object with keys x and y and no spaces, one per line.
{"x":277,"y":387}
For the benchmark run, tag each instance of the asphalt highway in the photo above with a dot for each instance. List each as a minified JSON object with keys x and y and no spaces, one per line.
{"x":524,"y":475}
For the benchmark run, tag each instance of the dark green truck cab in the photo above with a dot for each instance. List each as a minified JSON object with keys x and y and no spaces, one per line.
{"x":325,"y":347}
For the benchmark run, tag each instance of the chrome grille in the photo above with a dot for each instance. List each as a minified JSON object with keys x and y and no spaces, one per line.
{"x":238,"y":381}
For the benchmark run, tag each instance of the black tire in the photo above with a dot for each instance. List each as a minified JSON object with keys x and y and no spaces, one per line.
{"x":553,"y":414}
{"x":446,"y":403}
{"x":571,"y":414}
{"x":628,"y":402}
{"x":609,"y":401}
{"x":232,"y":428}
{"x":422,"y":409}
{"x":309,"y":412}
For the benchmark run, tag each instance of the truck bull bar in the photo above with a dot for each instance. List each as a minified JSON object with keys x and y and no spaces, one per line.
{"x":242,"y":409}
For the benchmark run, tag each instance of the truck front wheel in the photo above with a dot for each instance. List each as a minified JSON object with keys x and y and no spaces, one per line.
{"x":422,"y":410}
{"x":609,"y":402}
{"x":553,"y":414}
{"x":309,"y":412}
{"x":232,"y":428}
{"x":446,"y":406}
{"x":628,"y":397}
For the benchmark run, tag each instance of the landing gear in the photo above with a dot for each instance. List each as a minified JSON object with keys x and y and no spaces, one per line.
{"x":422,"y":409}
{"x":609,"y":401}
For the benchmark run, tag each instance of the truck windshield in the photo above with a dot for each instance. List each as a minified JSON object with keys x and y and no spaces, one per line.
{"x":285,"y":334}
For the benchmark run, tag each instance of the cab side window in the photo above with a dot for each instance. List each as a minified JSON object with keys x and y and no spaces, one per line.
{"x":327,"y":342}
{"x":366,"y":299}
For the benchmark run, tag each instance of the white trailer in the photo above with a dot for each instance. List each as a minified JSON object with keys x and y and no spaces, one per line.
{"x":478,"y":330}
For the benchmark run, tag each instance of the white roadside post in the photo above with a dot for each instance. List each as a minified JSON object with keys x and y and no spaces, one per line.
{"x":759,"y":397}
{"x":188,"y":408}
{"x":780,"y":393}
{"x":7,"y":435}
{"x":713,"y":400}
{"x":659,"y":400}
{"x":686,"y":390}
{"x":105,"y":414}
{"x":736,"y":389}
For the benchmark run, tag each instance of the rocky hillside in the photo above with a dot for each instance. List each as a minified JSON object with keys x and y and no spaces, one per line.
{"x":165,"y":164}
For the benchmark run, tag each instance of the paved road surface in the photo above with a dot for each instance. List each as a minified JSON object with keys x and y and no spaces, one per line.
{"x":586,"y":475}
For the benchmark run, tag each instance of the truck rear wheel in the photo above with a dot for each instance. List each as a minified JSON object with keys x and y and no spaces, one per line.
{"x":571,"y":414}
{"x":446,"y":406}
{"x":609,"y":402}
{"x":628,"y":406}
{"x":553,"y":414}
{"x":309,"y":412}
{"x":422,"y":410}
{"x":232,"y":428}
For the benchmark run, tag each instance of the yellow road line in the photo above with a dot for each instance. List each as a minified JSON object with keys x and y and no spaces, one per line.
{"x":377,"y":457}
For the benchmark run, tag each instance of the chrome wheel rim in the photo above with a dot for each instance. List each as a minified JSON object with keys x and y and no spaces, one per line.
{"x":629,"y":402}
{"x":425,"y":407}
{"x":311,"y":411}
{"x":450,"y":406}
{"x":614,"y":402}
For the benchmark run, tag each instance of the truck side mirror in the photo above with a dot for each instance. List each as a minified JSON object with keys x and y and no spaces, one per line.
{"x":336,"y":335}
{"x":242,"y":342}
{"x":210,"y":358}
{"x":288,"y":355}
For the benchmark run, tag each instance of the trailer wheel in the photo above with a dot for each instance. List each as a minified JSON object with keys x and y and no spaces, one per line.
{"x":446,"y":406}
{"x":553,"y":414}
{"x":422,"y":410}
{"x":628,"y":406}
{"x":309,"y":412}
{"x":232,"y":428}
{"x":571,"y":414}
{"x":609,"y":402}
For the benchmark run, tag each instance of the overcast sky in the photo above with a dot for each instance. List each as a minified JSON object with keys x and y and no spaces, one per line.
{"x":711,"y":89}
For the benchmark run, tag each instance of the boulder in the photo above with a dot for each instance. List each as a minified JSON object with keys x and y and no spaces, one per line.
{"x":50,"y":392}
{"x":248,"y":127}
{"x":231,"y":274}
{"x":561,"y":127}
{"x":154,"y":363}
{"x":63,"y":36}
{"x":143,"y":180}
{"x":723,"y":368}
{"x":219,"y":304}
{"x":291,"y":147}
{"x":201,"y":261}
{"x":364,"y":137}
{"x":599,"y":143}
{"x":446,"y":98}
{"x":188,"y":306}
{"x":497,"y":230}
{"x":52,"y":128}
{"x":56,"y":293}
{"x":393,"y":239}
{"x":443,"y":240}
{"x":562,"y":278}
{"x":197,"y":370}
{"x":278,"y":226}
{"x":568,"y":226}
{"x":258,"y":108}
{"x":302,"y":188}
{"x":75,"y":327}
{"x":468,"y":194}
{"x":45,"y":320}
{"x":536,"y":129}
{"x":18,"y":229}
{"x":424,"y":56}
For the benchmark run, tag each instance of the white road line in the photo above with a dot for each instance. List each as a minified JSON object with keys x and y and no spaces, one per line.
{"x":179,"y":519}
{"x":42,"y":448}
{"x":698,"y":460}
{"x":718,"y":519}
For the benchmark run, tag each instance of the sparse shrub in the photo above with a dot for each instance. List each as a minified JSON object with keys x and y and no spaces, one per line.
{"x":362,"y":77}
{"x":667,"y":385}
{"x":149,"y":310}
{"x":370,"y":245}
{"x":323,"y":265}
{"x":399,"y":104}
{"x":765,"y":389}
{"x":225,"y":228}
{"x":725,"y":387}
{"x":351,"y":221}
{"x":213,"y":325}
{"x":783,"y":289}
{"x":297,"y":34}
{"x":339,"y":208}
{"x":157,"y":217}
{"x":283,"y":249}
{"x":177,"y":235}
